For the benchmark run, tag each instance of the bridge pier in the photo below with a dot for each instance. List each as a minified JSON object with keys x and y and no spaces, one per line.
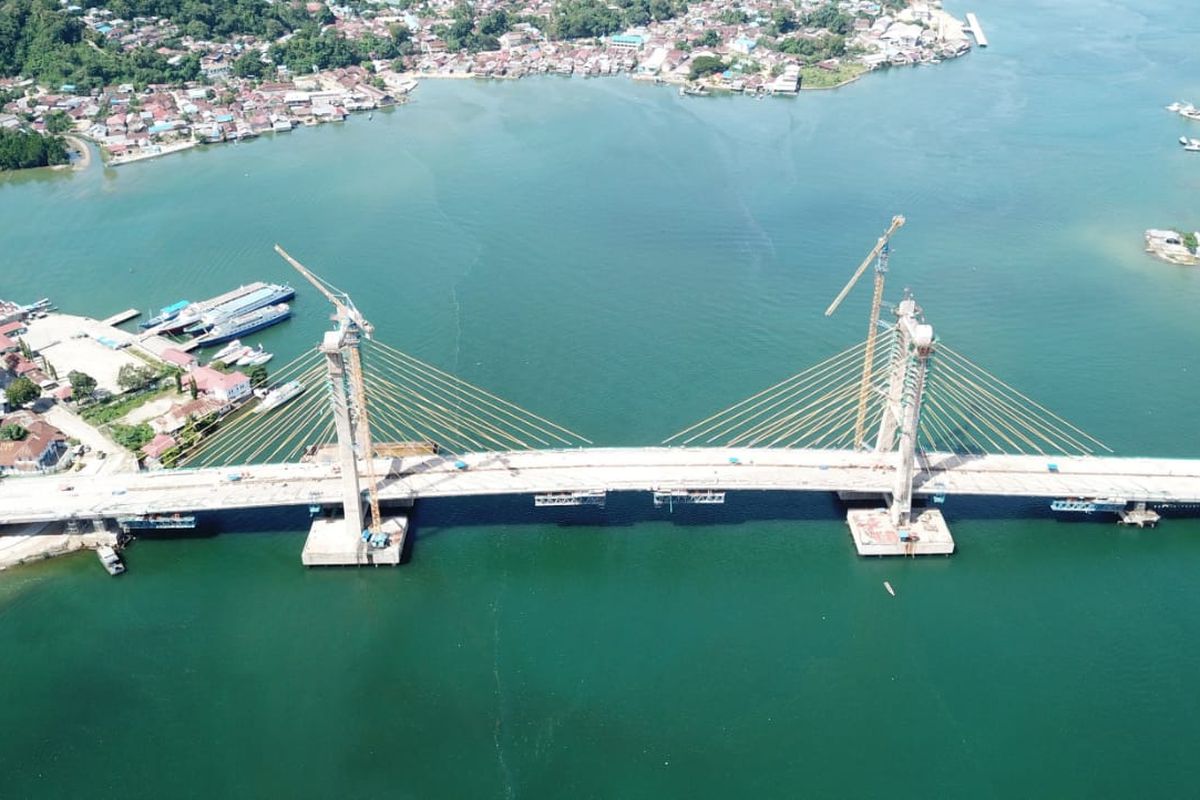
{"x":336,"y":542}
{"x":876,"y":534}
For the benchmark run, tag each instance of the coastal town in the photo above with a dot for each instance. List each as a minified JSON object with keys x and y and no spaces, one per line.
{"x":82,"y":397}
{"x":247,"y":86}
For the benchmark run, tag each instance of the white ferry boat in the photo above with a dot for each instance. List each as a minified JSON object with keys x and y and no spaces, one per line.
{"x":279,"y":395}
{"x":110,"y":560}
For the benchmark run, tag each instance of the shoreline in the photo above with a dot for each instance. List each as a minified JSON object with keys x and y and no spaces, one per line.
{"x":85,"y":152}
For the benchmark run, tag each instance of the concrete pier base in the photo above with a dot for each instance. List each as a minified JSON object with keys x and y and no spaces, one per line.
{"x":875,"y":535}
{"x":331,"y":543}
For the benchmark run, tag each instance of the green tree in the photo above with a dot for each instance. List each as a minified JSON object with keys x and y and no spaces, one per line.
{"x":131,"y":377}
{"x":1189,"y":241}
{"x":13,"y":432}
{"x":82,"y":384}
{"x":132,"y":437}
{"x":58,"y":122}
{"x":706,"y":65}
{"x":710,"y":38}
{"x":22,"y":391}
{"x":258,"y":375}
{"x":249,"y":65}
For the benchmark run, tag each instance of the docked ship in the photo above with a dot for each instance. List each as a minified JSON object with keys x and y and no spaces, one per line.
{"x":1095,"y":505}
{"x":266,"y":295}
{"x":192,"y":314}
{"x":165,"y":314}
{"x":245,"y":323}
{"x":279,"y":395}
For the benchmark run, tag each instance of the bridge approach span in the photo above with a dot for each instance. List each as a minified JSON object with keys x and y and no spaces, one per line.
{"x":61,"y":497}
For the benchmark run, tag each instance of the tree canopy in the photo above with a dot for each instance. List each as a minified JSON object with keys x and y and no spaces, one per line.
{"x":25,"y":149}
{"x":22,"y":391}
{"x":82,"y":384}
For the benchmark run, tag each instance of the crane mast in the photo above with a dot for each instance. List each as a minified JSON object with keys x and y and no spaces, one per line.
{"x":878,"y":254}
{"x":351,"y":326}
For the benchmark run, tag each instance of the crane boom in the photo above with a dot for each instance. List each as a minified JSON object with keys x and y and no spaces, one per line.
{"x":341,"y":302}
{"x":879,"y":253}
{"x":897,"y":223}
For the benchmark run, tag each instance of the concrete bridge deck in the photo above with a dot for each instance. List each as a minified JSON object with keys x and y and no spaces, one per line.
{"x":48,"y":498}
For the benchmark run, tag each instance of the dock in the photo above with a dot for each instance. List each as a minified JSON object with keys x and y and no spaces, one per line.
{"x":124,"y":316}
{"x":976,"y":30}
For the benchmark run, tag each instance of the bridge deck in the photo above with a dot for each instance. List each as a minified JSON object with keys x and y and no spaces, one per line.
{"x":40,"y":499}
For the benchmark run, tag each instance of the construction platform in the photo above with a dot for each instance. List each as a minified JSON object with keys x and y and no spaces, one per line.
{"x":331,"y":544}
{"x":874,"y":534}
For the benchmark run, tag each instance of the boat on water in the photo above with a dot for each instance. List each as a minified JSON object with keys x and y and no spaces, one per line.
{"x":245,"y":323}
{"x":110,"y":560}
{"x":233,"y":357}
{"x":251,"y":356}
{"x":267,"y":295}
{"x":259,"y":358}
{"x":193,"y":312}
{"x":690,"y":90}
{"x":225,"y":352}
{"x":165,"y":314}
{"x":279,"y":395}
{"x":1176,"y":106}
{"x":1094,"y":505}
{"x":888,"y":585}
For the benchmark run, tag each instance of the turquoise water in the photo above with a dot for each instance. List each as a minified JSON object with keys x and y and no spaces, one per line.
{"x":625,"y":261}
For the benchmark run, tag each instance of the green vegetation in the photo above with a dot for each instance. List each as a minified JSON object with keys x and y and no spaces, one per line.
{"x":102,"y":413}
{"x":582,"y":19}
{"x":82,"y":385}
{"x":733,"y":16}
{"x":22,"y":391}
{"x":40,"y":40}
{"x":710,"y":38}
{"x":1189,"y":241}
{"x":131,"y":378}
{"x":58,"y":122}
{"x":131,"y":437}
{"x":831,"y":18}
{"x":817,"y":78}
{"x":258,"y":375}
{"x":783,"y":20}
{"x":706,"y":65}
{"x":13,"y":433}
{"x":814,"y":50}
{"x":26,"y":149}
{"x":311,"y":47}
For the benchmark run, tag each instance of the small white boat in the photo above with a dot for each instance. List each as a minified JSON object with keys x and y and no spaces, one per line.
{"x":1183,"y":140}
{"x":887,"y":585}
{"x":232,"y":358}
{"x":259,"y":358}
{"x":110,"y":560}
{"x":1194,"y":147}
{"x":247,"y":357}
{"x":1176,"y":106}
{"x":228,"y":350}
{"x":279,"y":395}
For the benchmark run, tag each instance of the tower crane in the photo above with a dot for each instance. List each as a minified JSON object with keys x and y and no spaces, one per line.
{"x":351,"y":325}
{"x":879,"y":254}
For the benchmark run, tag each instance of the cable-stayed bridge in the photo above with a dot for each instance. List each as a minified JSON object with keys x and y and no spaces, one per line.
{"x":899,"y":417}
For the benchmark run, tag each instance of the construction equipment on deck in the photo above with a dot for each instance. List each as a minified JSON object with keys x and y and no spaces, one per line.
{"x":879,"y":254}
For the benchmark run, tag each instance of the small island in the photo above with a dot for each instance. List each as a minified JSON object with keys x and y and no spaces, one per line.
{"x":1174,"y":247}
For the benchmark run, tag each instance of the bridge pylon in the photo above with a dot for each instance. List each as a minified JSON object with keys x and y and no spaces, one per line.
{"x":894,"y":531}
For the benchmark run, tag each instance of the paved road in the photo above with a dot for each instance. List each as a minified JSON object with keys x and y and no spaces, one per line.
{"x":611,"y":469}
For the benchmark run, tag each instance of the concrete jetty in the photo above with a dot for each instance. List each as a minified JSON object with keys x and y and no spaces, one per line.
{"x":124,"y":316}
{"x":976,"y":30}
